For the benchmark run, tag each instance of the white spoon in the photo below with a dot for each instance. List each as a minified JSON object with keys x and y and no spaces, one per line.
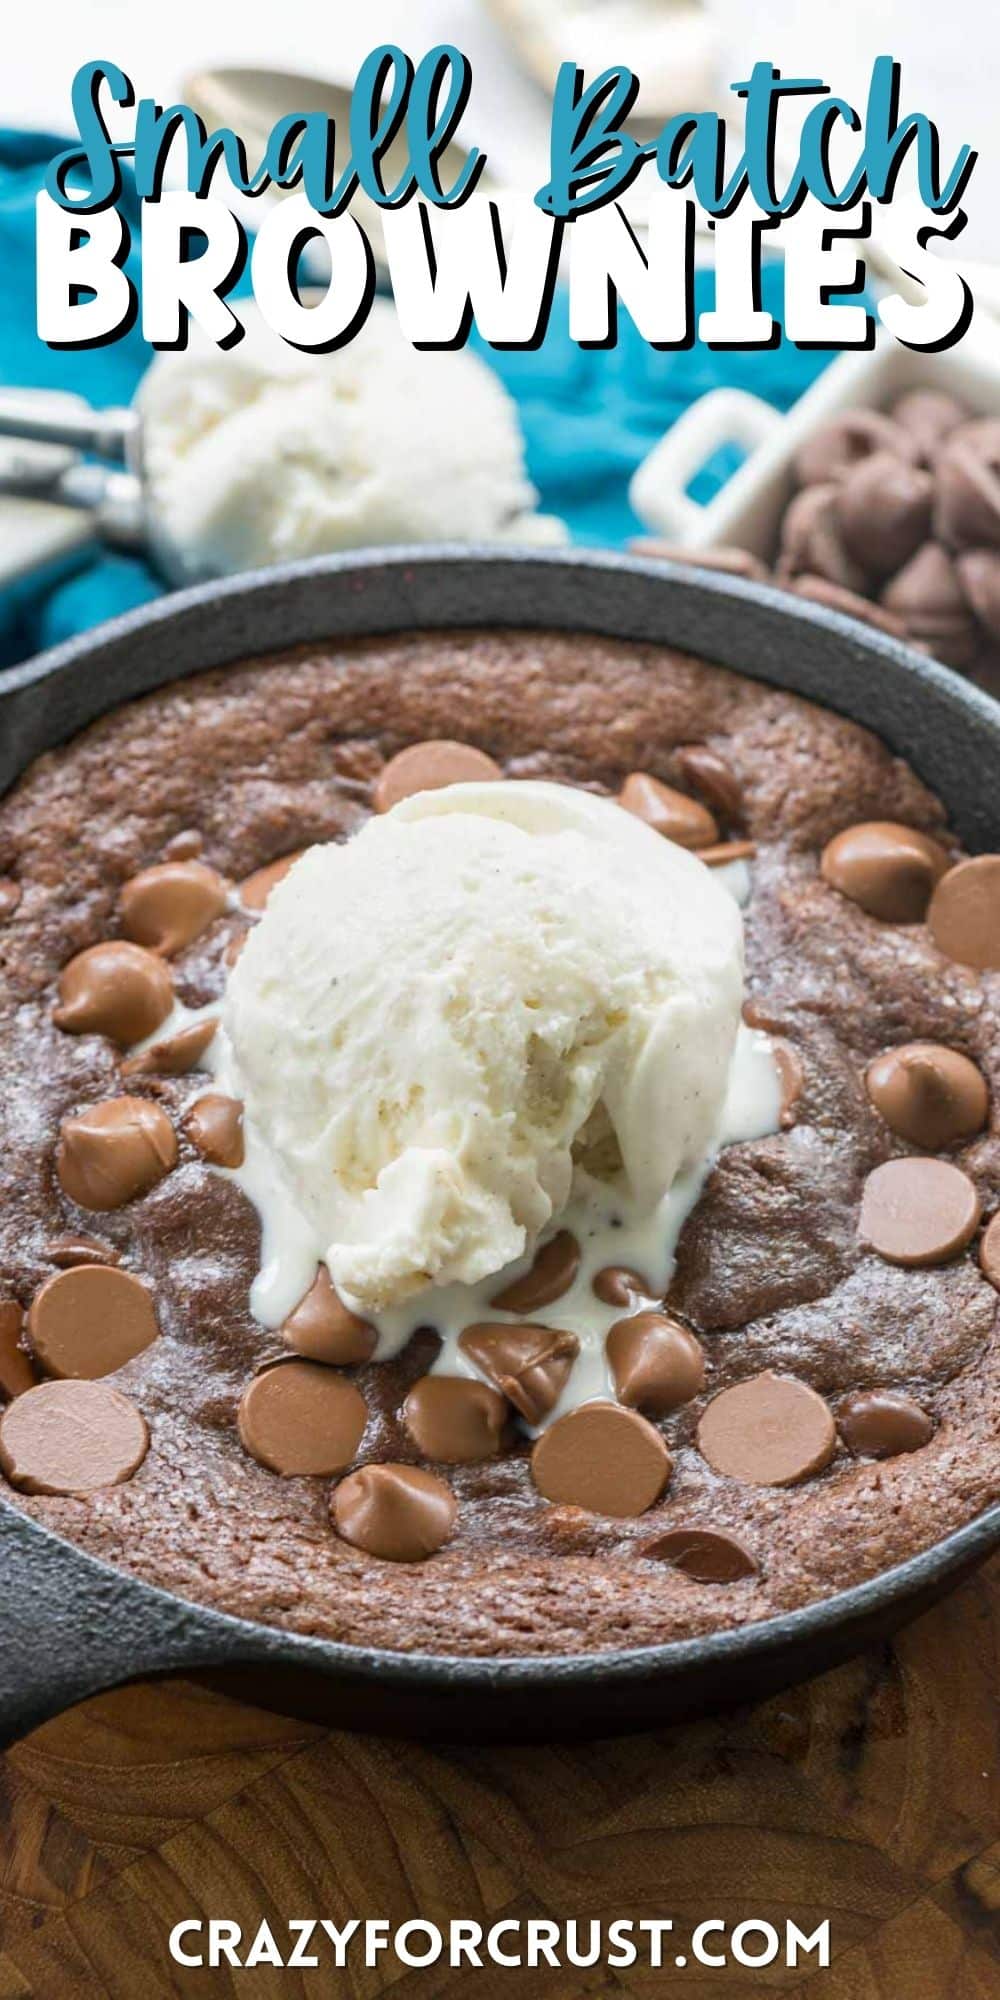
{"x":670,"y":44}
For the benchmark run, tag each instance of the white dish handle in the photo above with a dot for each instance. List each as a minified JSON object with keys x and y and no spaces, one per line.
{"x":659,"y":488}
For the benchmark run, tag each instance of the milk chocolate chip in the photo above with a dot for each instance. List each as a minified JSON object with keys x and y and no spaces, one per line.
{"x":454,"y":1420}
{"x":979,"y":577}
{"x":398,"y":1512}
{"x":530,"y":1365}
{"x":759,"y":1013}
{"x":656,"y":1362}
{"x":671,"y":813}
{"x":708,"y":774}
{"x":174,"y":1056}
{"x":16,"y":1371}
{"x":881,"y":1423}
{"x":114,"y":989}
{"x":917,"y":1211}
{"x":90,"y":1321}
{"x":183,"y":846}
{"x":812,"y":543}
{"x":214,"y":1125}
{"x":114,"y":1151}
{"x":10,"y":896}
{"x":927,"y":416}
{"x":791,"y":1079}
{"x":927,"y":594}
{"x":731,"y":561}
{"x":964,"y":916}
{"x":299,"y":1418}
{"x":770,"y":1431}
{"x":888,"y":870}
{"x":727,"y":851}
{"x":324,"y":1329}
{"x":169,"y":905}
{"x":967,"y":496}
{"x":836,"y":447}
{"x":68,"y":1251}
{"x":928,"y":1094}
{"x":71,"y":1437}
{"x":552,"y":1273}
{"x":616,"y":1285}
{"x":989,"y":1252}
{"x":709,"y":1555}
{"x":255,"y":890}
{"x":426,"y":767}
{"x":601,"y":1457}
{"x":883,"y":511}
{"x":849,"y":602}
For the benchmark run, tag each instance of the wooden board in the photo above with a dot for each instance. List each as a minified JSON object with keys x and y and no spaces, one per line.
{"x":871,"y":1796}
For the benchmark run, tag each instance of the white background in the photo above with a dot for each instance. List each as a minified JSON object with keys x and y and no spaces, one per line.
{"x":950,"y":51}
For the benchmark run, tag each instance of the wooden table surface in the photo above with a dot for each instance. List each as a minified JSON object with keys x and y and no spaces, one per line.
{"x":871,"y":1796}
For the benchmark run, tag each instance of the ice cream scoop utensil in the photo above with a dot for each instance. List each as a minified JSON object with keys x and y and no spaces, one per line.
{"x":61,"y":502}
{"x":43,"y":417}
{"x":230,"y":460}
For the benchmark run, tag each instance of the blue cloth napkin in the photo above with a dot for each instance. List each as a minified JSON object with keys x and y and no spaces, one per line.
{"x":589,"y":416}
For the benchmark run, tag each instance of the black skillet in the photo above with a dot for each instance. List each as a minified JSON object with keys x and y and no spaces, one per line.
{"x":71,"y":1626}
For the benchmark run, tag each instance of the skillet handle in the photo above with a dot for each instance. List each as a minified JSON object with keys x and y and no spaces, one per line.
{"x":659,"y":487}
{"x":71,"y":1627}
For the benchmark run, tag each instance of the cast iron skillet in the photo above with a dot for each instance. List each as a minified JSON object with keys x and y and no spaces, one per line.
{"x":72,"y":1626}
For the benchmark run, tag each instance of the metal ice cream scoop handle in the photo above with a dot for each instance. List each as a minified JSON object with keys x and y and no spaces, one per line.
{"x":78,"y":472}
{"x":42,"y":417}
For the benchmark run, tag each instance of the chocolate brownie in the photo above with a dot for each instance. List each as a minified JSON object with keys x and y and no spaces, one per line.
{"x":837,"y":1314}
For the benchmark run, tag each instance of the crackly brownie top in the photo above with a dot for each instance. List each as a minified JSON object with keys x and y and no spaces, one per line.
{"x":828,"y":1341}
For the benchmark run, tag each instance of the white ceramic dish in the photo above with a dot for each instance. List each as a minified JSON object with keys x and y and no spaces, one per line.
{"x":747,"y":512}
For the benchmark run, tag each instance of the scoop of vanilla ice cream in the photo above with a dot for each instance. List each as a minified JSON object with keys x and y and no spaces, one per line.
{"x":261,"y":454}
{"x":489,"y":992}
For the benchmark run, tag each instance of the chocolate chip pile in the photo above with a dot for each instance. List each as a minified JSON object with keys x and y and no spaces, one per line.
{"x":895,"y":520}
{"x":301,"y":1414}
